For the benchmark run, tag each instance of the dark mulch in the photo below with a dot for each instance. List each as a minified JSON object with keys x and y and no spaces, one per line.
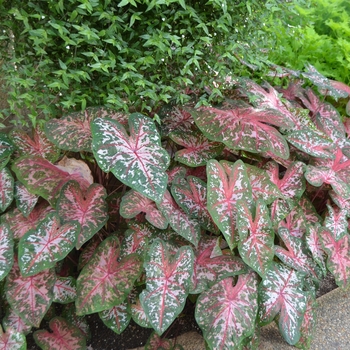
{"x":102,"y":338}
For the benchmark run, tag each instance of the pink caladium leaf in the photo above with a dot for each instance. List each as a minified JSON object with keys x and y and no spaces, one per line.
{"x":256,"y":243}
{"x":117,"y":318}
{"x":72,"y":132}
{"x":313,"y":243}
{"x":12,"y":320}
{"x":69,"y":313}
{"x":168,"y":280}
{"x":226,"y":313}
{"x":43,"y":178}
{"x":227,"y":183}
{"x":6,"y":250}
{"x":179,"y":221}
{"x":20,"y":225}
{"x":262,"y":186}
{"x":12,"y":340}
{"x":38,"y":146}
{"x":336,"y":221}
{"x":197,"y":148}
{"x":138,"y":315}
{"x":63,"y":336}
{"x":138,"y":160}
{"x":155,"y":342}
{"x":175,"y":118}
{"x":325,"y":86}
{"x":65,"y":290}
{"x":7,"y":184}
{"x":25,"y":200}
{"x":191,"y":195}
{"x":39,"y":249}
{"x":88,"y":252}
{"x":104,"y":281}
{"x":295,"y":255}
{"x":30,"y":297}
{"x":133,"y":203}
{"x":281,"y":293}
{"x":240,"y":126}
{"x":88,"y":207}
{"x":6,"y":149}
{"x":338,"y":261}
{"x":211,"y":265}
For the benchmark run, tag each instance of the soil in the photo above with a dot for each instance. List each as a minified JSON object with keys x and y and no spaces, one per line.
{"x":102,"y":338}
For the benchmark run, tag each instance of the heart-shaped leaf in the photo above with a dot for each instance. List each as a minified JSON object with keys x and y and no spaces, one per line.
{"x":30,"y":297}
{"x":39,"y":249}
{"x":191,"y":195}
{"x":104,"y":281}
{"x":63,"y":336}
{"x":179,"y":221}
{"x":336,"y":221}
{"x":38,"y":146}
{"x":72,"y":132}
{"x":227,"y":183}
{"x":281,"y":292}
{"x":226,"y":313}
{"x":65,"y":290}
{"x":25,"y":200}
{"x":12,"y":340}
{"x":43,"y":178}
{"x":256,"y":244}
{"x":6,"y":189}
{"x":133,"y":203}
{"x":6,"y":250}
{"x":87,"y":207}
{"x":117,"y":318}
{"x":138,"y":160}
{"x":197,"y":148}
{"x":139,"y":316}
{"x":12,"y":320}
{"x":240,"y":126}
{"x":167,"y":284}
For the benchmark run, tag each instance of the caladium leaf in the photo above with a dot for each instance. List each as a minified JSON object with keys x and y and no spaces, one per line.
{"x":227,"y":183}
{"x":6,"y":189}
{"x":43,"y":178}
{"x":40,"y":248}
{"x":65,"y":290}
{"x":104,"y":281}
{"x":72,"y":132}
{"x":6,"y":149}
{"x":262,"y":186}
{"x":197,"y":148}
{"x":30,"y":297}
{"x":336,"y":222}
{"x":87,"y":207}
{"x":6,"y":250}
{"x":211,"y":265}
{"x":295,"y":254}
{"x":139,"y":316}
{"x":281,"y":293}
{"x":38,"y":146}
{"x":88,"y":252}
{"x":240,"y":126}
{"x":180,"y":222}
{"x":138,"y":160}
{"x":63,"y":336}
{"x":25,"y":200}
{"x":155,"y":342}
{"x":69,"y":313}
{"x":12,"y":320}
{"x":19,"y":224}
{"x":167,"y":284}
{"x":338,"y":261}
{"x":117,"y":318}
{"x":12,"y":340}
{"x":256,"y":244}
{"x":175,"y":118}
{"x":191,"y":195}
{"x":133,"y":203}
{"x":226,"y":313}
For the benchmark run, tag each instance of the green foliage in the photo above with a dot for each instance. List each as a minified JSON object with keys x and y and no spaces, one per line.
{"x":62,"y":55}
{"x":317,"y":33}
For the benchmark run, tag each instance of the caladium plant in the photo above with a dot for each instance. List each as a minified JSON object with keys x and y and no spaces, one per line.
{"x":240,"y":208}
